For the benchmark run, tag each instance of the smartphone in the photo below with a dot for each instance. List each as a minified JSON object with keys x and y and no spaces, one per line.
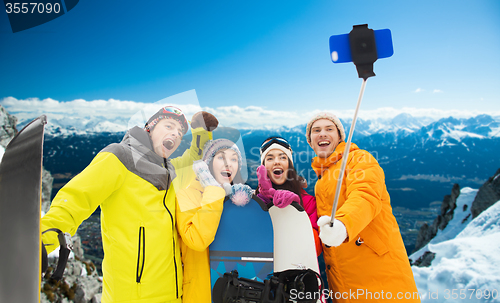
{"x":340,"y":50}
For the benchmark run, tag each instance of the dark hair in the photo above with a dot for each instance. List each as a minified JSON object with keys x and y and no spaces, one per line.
{"x":293,"y":181}
{"x":237,"y":178}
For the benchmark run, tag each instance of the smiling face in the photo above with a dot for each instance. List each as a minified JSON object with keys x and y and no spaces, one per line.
{"x":166,"y":137}
{"x":324,"y":137}
{"x":276,"y":163}
{"x":225,"y":166}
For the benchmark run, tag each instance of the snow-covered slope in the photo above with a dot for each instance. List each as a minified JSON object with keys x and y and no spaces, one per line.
{"x":466,"y":267}
{"x":461,"y":217}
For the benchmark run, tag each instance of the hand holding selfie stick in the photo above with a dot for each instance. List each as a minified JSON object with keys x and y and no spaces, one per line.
{"x":362,"y":47}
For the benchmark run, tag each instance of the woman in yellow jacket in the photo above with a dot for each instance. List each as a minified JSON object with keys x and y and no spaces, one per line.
{"x":365,"y":257}
{"x":199,"y":209}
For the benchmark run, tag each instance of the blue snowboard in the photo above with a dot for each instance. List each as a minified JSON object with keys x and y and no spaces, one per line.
{"x":244,"y":242}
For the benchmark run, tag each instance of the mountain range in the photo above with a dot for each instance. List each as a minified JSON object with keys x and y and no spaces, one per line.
{"x":421,"y":158}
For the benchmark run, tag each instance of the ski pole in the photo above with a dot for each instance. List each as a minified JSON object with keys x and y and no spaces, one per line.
{"x":346,"y":153}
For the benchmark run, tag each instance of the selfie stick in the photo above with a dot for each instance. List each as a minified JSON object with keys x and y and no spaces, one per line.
{"x":364,"y":53}
{"x":346,"y":153}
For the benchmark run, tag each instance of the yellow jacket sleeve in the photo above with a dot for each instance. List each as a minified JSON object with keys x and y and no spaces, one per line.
{"x":198,"y":214}
{"x":81,"y":196}
{"x":184,"y":164}
{"x":365,"y":184}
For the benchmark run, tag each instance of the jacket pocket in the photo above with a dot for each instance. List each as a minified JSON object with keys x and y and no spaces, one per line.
{"x":370,"y":238}
{"x":141,"y":255}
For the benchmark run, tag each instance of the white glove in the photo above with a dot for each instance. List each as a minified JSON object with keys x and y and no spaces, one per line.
{"x":241,"y":194}
{"x":203,"y":174}
{"x":331,"y":236}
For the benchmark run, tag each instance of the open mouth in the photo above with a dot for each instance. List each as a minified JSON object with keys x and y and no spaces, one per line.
{"x":226,"y":174}
{"x":277,"y":172}
{"x":168,"y":144}
{"x":323,"y":143}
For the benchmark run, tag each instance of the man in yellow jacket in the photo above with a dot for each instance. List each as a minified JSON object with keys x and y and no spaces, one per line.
{"x":364,"y":253}
{"x":134,"y":183}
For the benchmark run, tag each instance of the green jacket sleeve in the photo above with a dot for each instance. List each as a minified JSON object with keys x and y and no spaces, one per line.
{"x":198,"y":214}
{"x":184,"y":164}
{"x":81,"y":196}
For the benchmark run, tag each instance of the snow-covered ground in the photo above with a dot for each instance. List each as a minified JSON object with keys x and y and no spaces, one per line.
{"x":456,"y":225}
{"x":466,"y":267}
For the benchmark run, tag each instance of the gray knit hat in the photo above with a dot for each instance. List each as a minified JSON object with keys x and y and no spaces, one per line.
{"x":213,"y":146}
{"x":328,"y":116}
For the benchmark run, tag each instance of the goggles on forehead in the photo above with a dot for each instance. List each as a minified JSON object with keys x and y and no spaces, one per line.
{"x":173,"y":110}
{"x":277,"y":140}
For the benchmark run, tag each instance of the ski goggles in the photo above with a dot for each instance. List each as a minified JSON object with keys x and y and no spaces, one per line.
{"x":173,"y":110}
{"x":275,"y":143}
{"x":166,"y":113}
{"x":272,"y":140}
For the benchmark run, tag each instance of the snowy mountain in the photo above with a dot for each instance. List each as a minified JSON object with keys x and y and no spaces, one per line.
{"x":83,"y":125}
{"x":403,"y":125}
{"x":461,"y":217}
{"x":421,"y":161}
{"x":466,"y":265}
{"x":458,"y":258}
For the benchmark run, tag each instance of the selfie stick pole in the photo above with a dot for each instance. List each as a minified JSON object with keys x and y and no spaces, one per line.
{"x":364,"y":53}
{"x":345,"y":155}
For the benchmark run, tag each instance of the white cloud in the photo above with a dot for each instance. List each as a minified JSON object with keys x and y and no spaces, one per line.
{"x":418,"y":90}
{"x":128,"y":113}
{"x":121,"y":112}
{"x":437,"y":91}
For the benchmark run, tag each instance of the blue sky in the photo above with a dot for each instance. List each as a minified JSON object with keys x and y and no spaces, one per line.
{"x":268,"y":54}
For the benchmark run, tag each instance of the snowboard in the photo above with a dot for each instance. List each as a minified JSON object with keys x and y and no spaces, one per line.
{"x":20,"y":205}
{"x":294,"y":246}
{"x":243,"y":242}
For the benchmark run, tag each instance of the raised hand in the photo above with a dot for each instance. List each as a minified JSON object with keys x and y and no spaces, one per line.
{"x":265,"y":184}
{"x":203,"y":173}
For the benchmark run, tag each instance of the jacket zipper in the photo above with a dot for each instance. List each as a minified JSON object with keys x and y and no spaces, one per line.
{"x":140,"y":264}
{"x":173,"y":227}
{"x":173,"y":244}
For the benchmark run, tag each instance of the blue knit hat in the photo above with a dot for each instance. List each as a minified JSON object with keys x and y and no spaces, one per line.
{"x":213,"y":146}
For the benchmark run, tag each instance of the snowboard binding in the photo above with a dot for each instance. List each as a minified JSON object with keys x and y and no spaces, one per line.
{"x":282,"y":287}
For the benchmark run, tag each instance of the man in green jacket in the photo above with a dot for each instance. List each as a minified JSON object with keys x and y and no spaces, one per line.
{"x":134,"y":183}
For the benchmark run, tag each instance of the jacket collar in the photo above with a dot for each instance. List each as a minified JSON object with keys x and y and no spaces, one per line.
{"x":320,"y":165}
{"x":138,"y":139}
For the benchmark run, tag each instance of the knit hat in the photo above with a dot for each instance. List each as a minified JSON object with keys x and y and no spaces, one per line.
{"x":275,"y":143}
{"x":328,"y":116}
{"x":213,"y":146}
{"x":167,"y":112}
